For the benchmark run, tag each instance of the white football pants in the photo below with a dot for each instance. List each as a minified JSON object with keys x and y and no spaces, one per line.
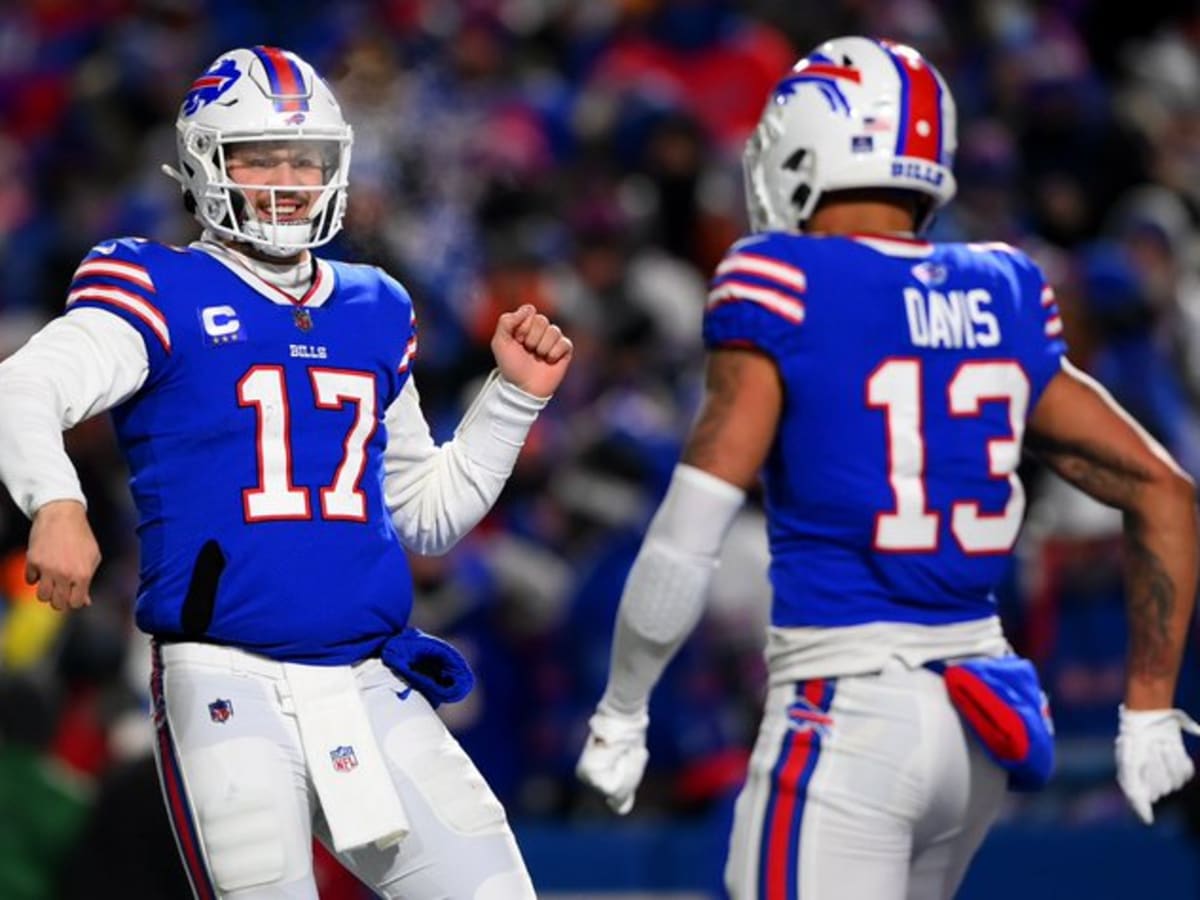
{"x":243,"y":806}
{"x":861,"y":787}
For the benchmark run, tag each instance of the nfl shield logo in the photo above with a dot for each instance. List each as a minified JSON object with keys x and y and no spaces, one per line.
{"x":343,"y":758}
{"x":220,"y":710}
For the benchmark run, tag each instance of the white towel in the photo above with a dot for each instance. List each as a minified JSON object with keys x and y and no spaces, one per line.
{"x":344,"y":759}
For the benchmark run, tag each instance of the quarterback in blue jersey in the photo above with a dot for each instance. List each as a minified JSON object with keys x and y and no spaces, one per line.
{"x":884,"y":388}
{"x":281,"y":465}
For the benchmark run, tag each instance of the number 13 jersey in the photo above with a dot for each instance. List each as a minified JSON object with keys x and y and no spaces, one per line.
{"x":255,"y":448}
{"x":909,"y":370}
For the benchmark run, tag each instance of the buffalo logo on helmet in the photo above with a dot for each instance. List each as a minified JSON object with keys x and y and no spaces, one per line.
{"x":822,"y":72}
{"x":211,"y":85}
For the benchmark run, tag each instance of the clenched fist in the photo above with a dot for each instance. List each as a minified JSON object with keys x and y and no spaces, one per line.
{"x":62,"y":555}
{"x":530,"y":352}
{"x":614,"y":756}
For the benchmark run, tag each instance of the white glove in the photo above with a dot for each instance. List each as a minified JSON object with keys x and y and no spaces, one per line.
{"x":1151,"y":759}
{"x":614,"y":756}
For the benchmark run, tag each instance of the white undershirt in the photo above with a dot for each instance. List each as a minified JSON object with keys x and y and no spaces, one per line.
{"x":86,"y":362}
{"x":293,"y":279}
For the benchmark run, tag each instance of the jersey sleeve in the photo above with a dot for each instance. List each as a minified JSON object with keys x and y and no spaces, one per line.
{"x":1041,"y":328}
{"x":399,"y":317}
{"x":118,"y":277}
{"x":399,"y":303}
{"x":410,"y":346}
{"x":756,"y":298}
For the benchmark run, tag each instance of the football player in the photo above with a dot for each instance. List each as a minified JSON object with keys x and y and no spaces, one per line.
{"x":884,"y":388}
{"x":280,"y":462}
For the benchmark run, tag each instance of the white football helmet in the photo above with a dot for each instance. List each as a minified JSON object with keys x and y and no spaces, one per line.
{"x":262,"y":94}
{"x":854,"y":113}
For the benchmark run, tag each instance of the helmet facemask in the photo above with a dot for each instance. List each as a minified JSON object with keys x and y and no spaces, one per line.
{"x":778,"y":184}
{"x":246,"y":201}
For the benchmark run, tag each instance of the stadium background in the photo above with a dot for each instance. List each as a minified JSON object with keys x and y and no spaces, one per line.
{"x":585,"y":156}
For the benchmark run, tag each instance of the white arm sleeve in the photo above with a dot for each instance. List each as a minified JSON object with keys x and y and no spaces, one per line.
{"x":79,"y":365}
{"x":664,"y":593}
{"x":436,"y":494}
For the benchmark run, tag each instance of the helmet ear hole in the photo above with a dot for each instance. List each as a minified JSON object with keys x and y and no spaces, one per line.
{"x":800,"y":196}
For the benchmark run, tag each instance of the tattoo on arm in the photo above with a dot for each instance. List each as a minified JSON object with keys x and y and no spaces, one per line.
{"x":721,"y":382}
{"x":1096,"y":471}
{"x":1151,"y":607}
{"x":1151,"y":592}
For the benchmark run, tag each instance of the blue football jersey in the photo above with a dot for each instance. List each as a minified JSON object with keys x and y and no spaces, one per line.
{"x":909,"y":370}
{"x":255,"y":449}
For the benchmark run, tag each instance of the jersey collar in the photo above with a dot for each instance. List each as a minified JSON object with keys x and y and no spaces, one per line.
{"x":316,"y":295}
{"x":894,"y":245}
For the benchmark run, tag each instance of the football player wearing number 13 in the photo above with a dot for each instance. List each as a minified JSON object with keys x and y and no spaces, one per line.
{"x":886,"y":386}
{"x":281,"y":464}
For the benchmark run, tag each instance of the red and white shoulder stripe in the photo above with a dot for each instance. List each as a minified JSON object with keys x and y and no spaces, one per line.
{"x":1054,"y":325}
{"x":116,"y":269}
{"x":410,"y":349}
{"x":763,"y":266}
{"x":121,"y":285}
{"x":771,"y":283}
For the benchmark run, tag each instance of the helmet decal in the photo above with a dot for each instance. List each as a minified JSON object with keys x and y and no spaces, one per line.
{"x":920,"y":132}
{"x":824,"y":73}
{"x":287,"y":82}
{"x":211,"y":85}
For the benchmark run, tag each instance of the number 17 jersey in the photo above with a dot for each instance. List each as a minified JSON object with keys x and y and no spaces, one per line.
{"x":909,"y":370}
{"x":255,"y":448}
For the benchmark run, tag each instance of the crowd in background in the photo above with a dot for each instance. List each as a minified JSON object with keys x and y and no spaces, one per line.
{"x":585,"y":156}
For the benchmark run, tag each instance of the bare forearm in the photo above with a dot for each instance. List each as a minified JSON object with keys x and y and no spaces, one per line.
{"x":1160,"y":584}
{"x":1160,"y":554}
{"x":736,"y":426}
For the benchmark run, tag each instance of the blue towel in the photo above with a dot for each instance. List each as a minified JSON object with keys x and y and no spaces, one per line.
{"x":1002,"y":703}
{"x":429,"y":664}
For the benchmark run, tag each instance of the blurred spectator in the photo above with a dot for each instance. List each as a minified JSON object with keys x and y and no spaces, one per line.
{"x":44,"y":804}
{"x":126,"y":848}
{"x":1130,"y":358}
